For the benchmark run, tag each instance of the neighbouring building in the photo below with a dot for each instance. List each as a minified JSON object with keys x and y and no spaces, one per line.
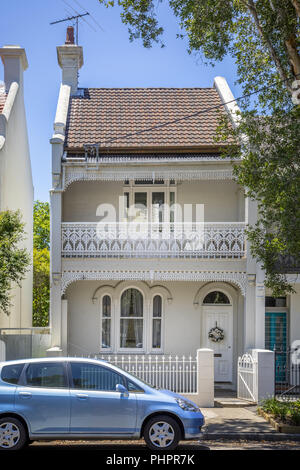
{"x":142,"y":155}
{"x":16,"y":188}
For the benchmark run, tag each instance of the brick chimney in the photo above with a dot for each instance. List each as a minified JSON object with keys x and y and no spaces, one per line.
{"x":70,"y":59}
{"x":70,"y":35}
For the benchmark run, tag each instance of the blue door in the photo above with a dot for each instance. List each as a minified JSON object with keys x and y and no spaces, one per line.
{"x":276,"y":338}
{"x":96,"y":407}
{"x":44,"y":398}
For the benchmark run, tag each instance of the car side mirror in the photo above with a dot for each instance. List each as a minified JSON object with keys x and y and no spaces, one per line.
{"x":123,"y":390}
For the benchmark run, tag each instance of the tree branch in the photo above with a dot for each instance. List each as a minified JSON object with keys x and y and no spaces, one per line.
{"x":252,"y":9}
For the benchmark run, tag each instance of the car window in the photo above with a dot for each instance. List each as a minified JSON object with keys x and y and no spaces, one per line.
{"x":132,"y":387}
{"x":94,"y":377}
{"x":46,"y":374}
{"x":11,"y":373}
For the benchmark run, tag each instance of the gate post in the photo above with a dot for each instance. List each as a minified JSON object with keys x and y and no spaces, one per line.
{"x":265,"y":372}
{"x":2,"y":351}
{"x":205,"y":378}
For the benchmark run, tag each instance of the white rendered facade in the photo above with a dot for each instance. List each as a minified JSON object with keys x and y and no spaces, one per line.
{"x":90,"y":272}
{"x":16,"y":188}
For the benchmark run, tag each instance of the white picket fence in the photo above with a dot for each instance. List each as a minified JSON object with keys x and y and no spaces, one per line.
{"x":247,"y":378}
{"x":175,"y":373}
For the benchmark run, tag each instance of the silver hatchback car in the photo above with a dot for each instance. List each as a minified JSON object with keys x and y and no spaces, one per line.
{"x":72,"y":398}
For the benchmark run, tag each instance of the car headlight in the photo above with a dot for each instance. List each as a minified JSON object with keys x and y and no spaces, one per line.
{"x":186,"y":405}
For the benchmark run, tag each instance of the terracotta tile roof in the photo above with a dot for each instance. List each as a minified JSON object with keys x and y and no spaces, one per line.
{"x":108,"y":115}
{"x":2,"y":101}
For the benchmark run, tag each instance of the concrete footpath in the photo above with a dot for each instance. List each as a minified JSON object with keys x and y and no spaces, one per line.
{"x":240,"y":424}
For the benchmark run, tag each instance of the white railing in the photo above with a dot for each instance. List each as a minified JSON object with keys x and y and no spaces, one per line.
{"x":247,"y":378}
{"x":175,"y":240}
{"x":175,"y":373}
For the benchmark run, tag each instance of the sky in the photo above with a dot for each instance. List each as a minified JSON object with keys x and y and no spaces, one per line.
{"x":110,"y":60}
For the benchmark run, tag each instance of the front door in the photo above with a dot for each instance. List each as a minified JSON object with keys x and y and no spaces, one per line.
{"x":218,"y":336}
{"x":276,"y":338}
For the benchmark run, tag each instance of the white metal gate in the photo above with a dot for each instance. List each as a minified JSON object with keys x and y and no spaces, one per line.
{"x":247,"y":378}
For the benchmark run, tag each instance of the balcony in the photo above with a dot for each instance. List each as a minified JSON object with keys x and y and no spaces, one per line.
{"x":215,"y":240}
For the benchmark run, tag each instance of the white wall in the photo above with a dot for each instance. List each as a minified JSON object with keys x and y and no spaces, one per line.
{"x":223,"y":201}
{"x":16,"y":192}
{"x":182,"y":327}
{"x":294,"y":320}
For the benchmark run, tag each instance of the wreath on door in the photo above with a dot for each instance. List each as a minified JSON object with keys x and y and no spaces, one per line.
{"x":216,"y":334}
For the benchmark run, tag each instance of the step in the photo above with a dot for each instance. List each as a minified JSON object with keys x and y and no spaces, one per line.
{"x":232,"y":403}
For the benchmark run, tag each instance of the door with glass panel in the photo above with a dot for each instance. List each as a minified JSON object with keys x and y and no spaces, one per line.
{"x":276,"y":338}
{"x":96,"y":406}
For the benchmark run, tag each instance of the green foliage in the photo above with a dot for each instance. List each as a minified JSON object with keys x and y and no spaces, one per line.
{"x":14,"y":260}
{"x":41,"y":263}
{"x":41,"y":225}
{"x":286,"y":412}
{"x":270,"y":172}
{"x":263,"y":37}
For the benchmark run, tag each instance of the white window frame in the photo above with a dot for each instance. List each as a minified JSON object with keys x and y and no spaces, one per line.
{"x":165,"y":188}
{"x":145,"y":324}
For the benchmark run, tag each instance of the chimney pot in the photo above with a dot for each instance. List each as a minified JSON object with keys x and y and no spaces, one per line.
{"x":70,"y":35}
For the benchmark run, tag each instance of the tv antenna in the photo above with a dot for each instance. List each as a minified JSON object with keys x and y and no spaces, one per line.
{"x":70,"y":18}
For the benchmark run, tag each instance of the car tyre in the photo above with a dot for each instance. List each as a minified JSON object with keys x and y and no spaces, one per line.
{"x":13,"y":435}
{"x":162,"y":433}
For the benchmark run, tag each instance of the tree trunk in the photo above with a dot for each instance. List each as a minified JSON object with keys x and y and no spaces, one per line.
{"x":296,"y":5}
{"x":291,"y":46}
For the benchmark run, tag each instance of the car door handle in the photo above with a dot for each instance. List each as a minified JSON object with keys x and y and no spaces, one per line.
{"x":82,"y":396}
{"x":25,"y":394}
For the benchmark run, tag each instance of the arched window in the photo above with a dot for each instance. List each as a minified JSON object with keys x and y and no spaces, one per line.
{"x":216,"y":297}
{"x":156,"y":322}
{"x":131,"y":319}
{"x":106,"y":322}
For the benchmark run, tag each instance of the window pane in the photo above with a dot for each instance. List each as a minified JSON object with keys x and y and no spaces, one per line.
{"x":132,"y":303}
{"x":132,"y":387}
{"x":156,"y":334}
{"x":106,"y":335}
{"x":158,"y":200}
{"x":11,"y":374}
{"x":46,"y":374}
{"x":106,"y":306}
{"x":131,"y":334}
{"x":157,"y":304}
{"x":126,"y":205}
{"x":216,"y":297}
{"x":172,"y":202}
{"x":275,"y":301}
{"x":93,"y":377}
{"x":140,"y":202}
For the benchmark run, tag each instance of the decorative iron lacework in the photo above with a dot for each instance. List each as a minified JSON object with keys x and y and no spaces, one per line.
{"x":92,"y":156}
{"x":237,"y":278}
{"x":176,"y":240}
{"x":82,"y":174}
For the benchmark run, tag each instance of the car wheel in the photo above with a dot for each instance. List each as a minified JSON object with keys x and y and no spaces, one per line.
{"x":162,"y":433}
{"x":13,"y":435}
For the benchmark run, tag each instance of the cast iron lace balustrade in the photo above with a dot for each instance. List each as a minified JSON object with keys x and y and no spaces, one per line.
{"x":155,"y":240}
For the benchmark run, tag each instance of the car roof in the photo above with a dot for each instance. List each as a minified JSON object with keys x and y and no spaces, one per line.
{"x":54,"y":359}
